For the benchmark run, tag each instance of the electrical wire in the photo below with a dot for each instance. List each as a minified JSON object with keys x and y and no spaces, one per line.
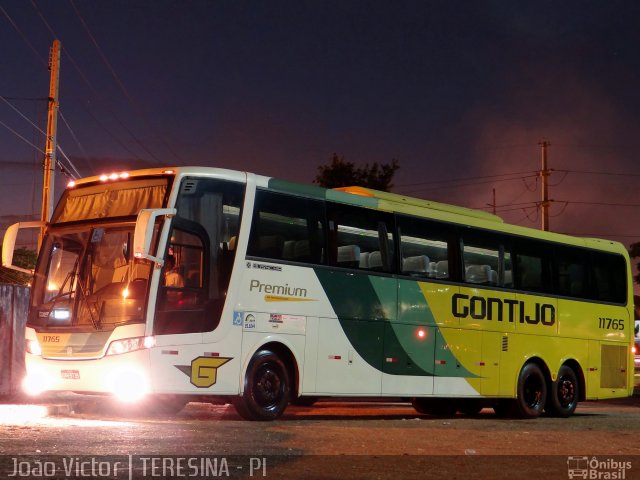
{"x":58,"y":147}
{"x":121,"y":84}
{"x":73,"y":135}
{"x":462,"y":185}
{"x":96,"y":92}
{"x":604,"y":204}
{"x":24,"y":38}
{"x":464,"y":179}
{"x":20,"y":136}
{"x":590,"y":172}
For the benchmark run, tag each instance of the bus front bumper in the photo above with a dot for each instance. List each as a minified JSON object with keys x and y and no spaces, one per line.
{"x":125,"y":376}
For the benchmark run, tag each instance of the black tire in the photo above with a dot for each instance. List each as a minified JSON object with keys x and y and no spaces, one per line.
{"x":439,"y":407}
{"x":266,"y":388}
{"x":564,"y":394}
{"x":532,"y":392}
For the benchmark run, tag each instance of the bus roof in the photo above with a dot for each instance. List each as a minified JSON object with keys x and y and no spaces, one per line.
{"x":381,"y":200}
{"x":417,"y":202}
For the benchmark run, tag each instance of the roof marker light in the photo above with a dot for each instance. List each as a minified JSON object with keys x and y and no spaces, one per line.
{"x":103,"y":178}
{"x":71,"y":184}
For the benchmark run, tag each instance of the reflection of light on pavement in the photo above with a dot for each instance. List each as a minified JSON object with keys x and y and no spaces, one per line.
{"x":19,"y":414}
{"x":37,"y":415}
{"x":79,"y":422}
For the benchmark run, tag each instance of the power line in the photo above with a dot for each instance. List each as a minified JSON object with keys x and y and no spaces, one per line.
{"x":605,"y":204}
{"x":20,"y":136}
{"x":24,"y":38}
{"x":121,"y":84}
{"x":589,"y":172}
{"x":464,"y":179}
{"x":96,"y":92}
{"x":471,"y":184}
{"x":22,"y":115}
{"x":73,"y":135}
{"x":58,"y":147}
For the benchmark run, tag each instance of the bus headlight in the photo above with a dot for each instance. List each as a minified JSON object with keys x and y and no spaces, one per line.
{"x":35,"y":383}
{"x":128,"y":384}
{"x":33,"y":347}
{"x":61,"y":314}
{"x":126,"y":345}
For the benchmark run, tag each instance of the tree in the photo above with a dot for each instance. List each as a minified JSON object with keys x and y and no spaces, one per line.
{"x":340,"y":173}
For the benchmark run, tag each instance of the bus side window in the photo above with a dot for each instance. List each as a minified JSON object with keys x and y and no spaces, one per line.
{"x":287,"y":227}
{"x":360,"y":238}
{"x":424,"y":245}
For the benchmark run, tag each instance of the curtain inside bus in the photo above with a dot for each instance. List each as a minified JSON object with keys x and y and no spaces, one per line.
{"x":117,"y":199}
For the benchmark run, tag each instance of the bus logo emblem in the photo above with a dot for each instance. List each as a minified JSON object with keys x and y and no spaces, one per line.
{"x":203,"y":371}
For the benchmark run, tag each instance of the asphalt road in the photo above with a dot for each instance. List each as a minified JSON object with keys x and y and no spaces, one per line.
{"x":328,"y":440}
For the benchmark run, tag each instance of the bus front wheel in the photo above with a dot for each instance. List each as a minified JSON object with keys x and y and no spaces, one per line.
{"x":564,"y":395}
{"x":266,"y":388}
{"x":532,"y":392}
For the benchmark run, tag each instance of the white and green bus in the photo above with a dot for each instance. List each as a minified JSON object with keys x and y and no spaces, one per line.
{"x":204,"y":283}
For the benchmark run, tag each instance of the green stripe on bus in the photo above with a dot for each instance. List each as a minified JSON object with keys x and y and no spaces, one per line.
{"x":366,"y":306}
{"x":297,"y":188}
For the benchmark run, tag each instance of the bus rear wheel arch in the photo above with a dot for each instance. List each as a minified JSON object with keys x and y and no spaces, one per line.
{"x":267,"y":387}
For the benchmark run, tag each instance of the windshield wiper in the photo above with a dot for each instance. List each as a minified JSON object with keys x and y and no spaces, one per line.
{"x":61,"y":293}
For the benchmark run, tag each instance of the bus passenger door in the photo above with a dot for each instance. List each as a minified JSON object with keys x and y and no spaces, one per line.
{"x":182,"y":310}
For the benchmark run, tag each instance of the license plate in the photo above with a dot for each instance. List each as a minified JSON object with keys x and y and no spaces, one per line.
{"x":70,"y":374}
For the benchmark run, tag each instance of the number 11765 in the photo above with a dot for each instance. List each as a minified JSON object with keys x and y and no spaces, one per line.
{"x":611,"y":323}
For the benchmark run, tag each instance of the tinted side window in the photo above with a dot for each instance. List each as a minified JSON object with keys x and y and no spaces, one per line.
{"x":425,"y":247}
{"x":572,"y":273}
{"x":199,"y":256}
{"x":532,"y":267}
{"x":486,"y":261}
{"x":360,"y":238}
{"x":609,"y":277}
{"x":286,"y":227}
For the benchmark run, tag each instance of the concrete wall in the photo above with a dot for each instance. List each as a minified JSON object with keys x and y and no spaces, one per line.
{"x":14,"y":304}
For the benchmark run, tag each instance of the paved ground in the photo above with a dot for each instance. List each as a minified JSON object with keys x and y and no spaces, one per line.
{"x":336,"y":440}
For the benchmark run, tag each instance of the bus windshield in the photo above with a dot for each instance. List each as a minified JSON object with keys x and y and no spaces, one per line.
{"x":87,"y":278}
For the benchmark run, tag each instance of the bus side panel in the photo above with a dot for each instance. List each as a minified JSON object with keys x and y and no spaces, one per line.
{"x":342,"y":370}
{"x":183,"y":364}
{"x":490,"y":363}
{"x":608,"y":370}
{"x":310,"y":371}
{"x":605,"y":329}
{"x":254,"y":341}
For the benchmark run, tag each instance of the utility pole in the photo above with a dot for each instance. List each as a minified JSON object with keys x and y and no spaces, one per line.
{"x":493,"y":205}
{"x":49,"y":165}
{"x":494,"y":201}
{"x":544,"y":177}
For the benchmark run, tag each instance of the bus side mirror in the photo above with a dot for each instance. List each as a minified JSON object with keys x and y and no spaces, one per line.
{"x":9,"y":244}
{"x":143,"y":233}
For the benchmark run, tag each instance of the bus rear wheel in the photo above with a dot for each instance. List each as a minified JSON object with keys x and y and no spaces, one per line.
{"x":532,"y":392}
{"x":564,"y":394}
{"x":266,"y":388}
